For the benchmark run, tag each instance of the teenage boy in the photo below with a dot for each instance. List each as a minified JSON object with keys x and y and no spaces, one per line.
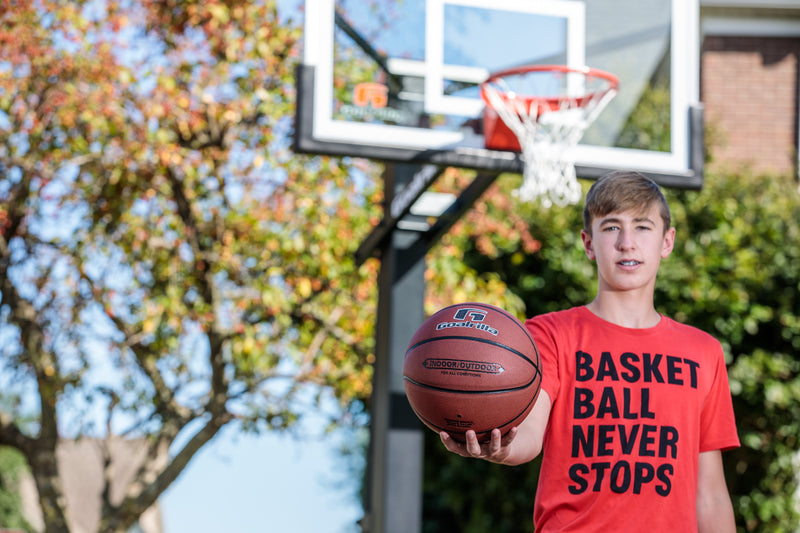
{"x":635,"y":408}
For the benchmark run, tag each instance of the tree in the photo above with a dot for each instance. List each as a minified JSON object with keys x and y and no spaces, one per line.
{"x":737,"y":276}
{"x":163,"y":258}
{"x":167,"y":265}
{"x":182,"y":257}
{"x":12,"y":466}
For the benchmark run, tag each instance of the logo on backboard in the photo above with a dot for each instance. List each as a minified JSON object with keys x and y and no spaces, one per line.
{"x":371,"y":95}
{"x":370,"y":102}
{"x":468,"y":317}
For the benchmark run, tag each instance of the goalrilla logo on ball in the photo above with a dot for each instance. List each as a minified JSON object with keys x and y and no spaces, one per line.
{"x":468,"y":317}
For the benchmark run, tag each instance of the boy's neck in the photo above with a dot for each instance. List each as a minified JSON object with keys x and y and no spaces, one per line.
{"x":623,"y":312}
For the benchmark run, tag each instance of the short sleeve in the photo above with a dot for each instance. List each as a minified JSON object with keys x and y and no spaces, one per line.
{"x":717,"y":421}
{"x":544,"y":335}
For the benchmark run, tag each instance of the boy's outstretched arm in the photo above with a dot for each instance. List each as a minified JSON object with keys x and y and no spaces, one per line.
{"x":520,"y":445}
{"x":714,"y":508}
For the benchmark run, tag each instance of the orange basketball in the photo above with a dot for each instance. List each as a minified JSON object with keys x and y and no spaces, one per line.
{"x":472,"y":366}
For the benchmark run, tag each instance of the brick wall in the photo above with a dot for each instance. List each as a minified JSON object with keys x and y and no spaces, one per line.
{"x":749,"y":86}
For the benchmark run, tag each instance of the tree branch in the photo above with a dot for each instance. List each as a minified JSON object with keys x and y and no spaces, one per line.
{"x":10,"y":434}
{"x":153,"y":477}
{"x":203,"y":271}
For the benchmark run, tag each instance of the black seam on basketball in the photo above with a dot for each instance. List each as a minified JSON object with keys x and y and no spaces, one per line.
{"x":476,"y":339}
{"x":459,"y":391}
{"x":516,"y":417}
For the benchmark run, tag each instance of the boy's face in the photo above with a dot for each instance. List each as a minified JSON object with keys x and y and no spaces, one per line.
{"x":628,"y":248}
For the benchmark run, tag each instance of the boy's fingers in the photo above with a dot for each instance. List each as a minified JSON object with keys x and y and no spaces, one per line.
{"x":448,"y":442}
{"x":473,"y":446}
{"x":495,"y":442}
{"x":509,"y":437}
{"x":453,"y":445}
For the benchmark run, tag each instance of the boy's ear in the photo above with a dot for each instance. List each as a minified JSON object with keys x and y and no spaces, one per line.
{"x":588,"y":247}
{"x":668,"y":243}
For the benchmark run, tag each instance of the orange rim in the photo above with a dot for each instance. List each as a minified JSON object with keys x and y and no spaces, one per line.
{"x":551,"y":102}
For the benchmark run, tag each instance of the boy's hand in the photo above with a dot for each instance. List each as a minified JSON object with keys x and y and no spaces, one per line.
{"x":520,"y":445}
{"x":496,"y":450}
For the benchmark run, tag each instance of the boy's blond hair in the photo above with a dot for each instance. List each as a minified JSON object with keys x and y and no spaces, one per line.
{"x":621,"y":191}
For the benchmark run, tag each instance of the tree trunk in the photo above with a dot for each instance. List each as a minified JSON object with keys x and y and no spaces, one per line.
{"x":44,"y":468}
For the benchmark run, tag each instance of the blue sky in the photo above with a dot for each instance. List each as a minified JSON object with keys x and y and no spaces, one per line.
{"x":260,"y":484}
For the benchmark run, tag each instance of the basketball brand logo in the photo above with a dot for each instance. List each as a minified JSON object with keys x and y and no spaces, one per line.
{"x":469,"y":317}
{"x":463,"y":424}
{"x":478,"y":315}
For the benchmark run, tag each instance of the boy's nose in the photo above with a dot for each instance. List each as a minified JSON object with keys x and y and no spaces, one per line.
{"x":625,"y":240}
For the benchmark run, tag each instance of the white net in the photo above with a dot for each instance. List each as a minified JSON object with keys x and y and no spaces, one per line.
{"x":549,"y":127}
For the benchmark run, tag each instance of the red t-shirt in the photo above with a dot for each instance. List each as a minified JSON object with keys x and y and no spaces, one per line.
{"x":631,"y":411}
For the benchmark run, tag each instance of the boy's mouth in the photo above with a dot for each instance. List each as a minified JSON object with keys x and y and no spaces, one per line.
{"x":629,"y":262}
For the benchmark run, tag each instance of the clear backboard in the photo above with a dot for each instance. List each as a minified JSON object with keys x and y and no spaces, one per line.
{"x":398,"y":80}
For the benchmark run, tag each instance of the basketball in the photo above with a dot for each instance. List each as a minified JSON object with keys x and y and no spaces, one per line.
{"x":472,"y":366}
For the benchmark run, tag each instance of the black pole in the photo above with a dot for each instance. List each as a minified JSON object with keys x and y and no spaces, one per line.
{"x":393,"y":499}
{"x":394,"y":486}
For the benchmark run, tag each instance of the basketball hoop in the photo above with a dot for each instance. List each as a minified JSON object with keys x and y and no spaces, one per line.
{"x":544,"y":111}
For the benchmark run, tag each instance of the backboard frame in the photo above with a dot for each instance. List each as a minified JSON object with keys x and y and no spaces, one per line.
{"x":317,"y":132}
